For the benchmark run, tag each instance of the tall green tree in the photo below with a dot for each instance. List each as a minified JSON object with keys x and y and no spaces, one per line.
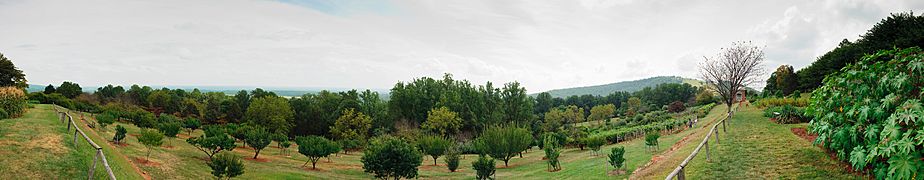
{"x":314,"y":147}
{"x":442,"y":121}
{"x":900,"y":30}
{"x":352,"y":125}
{"x":271,"y":112}
{"x":49,"y":89}
{"x":518,"y":106}
{"x":69,"y":89}
{"x":10,"y":75}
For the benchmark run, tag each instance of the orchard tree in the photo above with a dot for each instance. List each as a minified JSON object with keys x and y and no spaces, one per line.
{"x":105,"y":119}
{"x":315,"y":147}
{"x":226,"y":165}
{"x":170,"y":129}
{"x":562,"y":116}
{"x":484,"y":167}
{"x":258,"y":138}
{"x":191,"y":124}
{"x":442,"y":121}
{"x":634,"y":106}
{"x":452,"y":158}
{"x":595,"y":143}
{"x":10,"y":75}
{"x":676,"y":107}
{"x":150,"y":138}
{"x":352,"y":125}
{"x":732,"y":70}
{"x":503,"y":142}
{"x":119,"y":135}
{"x":552,"y":152}
{"x":651,"y":140}
{"x":615,"y":158}
{"x":434,"y":146}
{"x":271,"y":112}
{"x":213,"y":141}
{"x":391,"y":158}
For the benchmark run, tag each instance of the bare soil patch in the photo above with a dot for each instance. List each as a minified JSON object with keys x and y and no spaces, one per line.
{"x":146,"y":162}
{"x":262,"y":160}
{"x":50,"y":143}
{"x":802,"y":133}
{"x":616,"y":172}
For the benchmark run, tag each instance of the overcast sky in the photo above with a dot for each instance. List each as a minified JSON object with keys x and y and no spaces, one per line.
{"x":374,"y":44}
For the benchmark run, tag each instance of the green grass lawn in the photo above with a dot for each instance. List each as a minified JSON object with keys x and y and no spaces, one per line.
{"x":755,"y":148}
{"x":38,"y":146}
{"x":176,"y":159}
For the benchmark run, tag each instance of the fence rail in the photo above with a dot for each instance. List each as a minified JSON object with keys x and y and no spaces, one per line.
{"x":100,"y":156}
{"x":679,"y":171}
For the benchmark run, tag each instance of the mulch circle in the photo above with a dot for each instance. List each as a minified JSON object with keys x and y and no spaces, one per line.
{"x":802,"y":133}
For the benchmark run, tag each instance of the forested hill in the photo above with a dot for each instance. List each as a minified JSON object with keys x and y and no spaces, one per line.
{"x":629,"y":86}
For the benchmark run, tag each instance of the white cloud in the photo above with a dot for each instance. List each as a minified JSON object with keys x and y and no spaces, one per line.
{"x":373,"y":44}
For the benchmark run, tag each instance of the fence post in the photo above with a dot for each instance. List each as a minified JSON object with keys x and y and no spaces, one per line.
{"x":75,"y":137}
{"x":93,"y":167}
{"x":69,"y":123}
{"x":680,"y":175}
{"x":707,"y":151}
{"x":717,"y":136}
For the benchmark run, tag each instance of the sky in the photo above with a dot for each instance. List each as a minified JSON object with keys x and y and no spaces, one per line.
{"x":374,"y":44}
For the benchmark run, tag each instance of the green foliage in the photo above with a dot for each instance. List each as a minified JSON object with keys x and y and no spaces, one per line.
{"x":560,"y":138}
{"x":192,"y":124}
{"x":595,"y":143}
{"x":787,"y":114}
{"x":213,"y":141}
{"x":433,"y":145}
{"x":651,"y":139}
{"x":602,"y":112}
{"x":870,"y":113}
{"x":551,"y":153}
{"x":784,"y":80}
{"x":504,"y":141}
{"x":664,"y":94}
{"x":352,"y":125}
{"x":442,"y":121}
{"x":10,"y":75}
{"x":315,"y":147}
{"x":258,"y":138}
{"x":120,"y":134}
{"x":453,"y":155}
{"x":150,"y":139}
{"x":69,"y":89}
{"x":170,"y":129}
{"x":900,"y":30}
{"x":615,"y":158}
{"x":484,"y":168}
{"x":226,"y":165}
{"x":391,"y":158}
{"x":105,"y":119}
{"x":271,"y":112}
{"x":557,"y":117}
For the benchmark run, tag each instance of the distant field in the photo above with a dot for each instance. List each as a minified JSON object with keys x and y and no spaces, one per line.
{"x":176,"y":159}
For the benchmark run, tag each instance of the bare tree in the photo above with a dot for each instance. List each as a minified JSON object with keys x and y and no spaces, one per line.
{"x":733,"y":69}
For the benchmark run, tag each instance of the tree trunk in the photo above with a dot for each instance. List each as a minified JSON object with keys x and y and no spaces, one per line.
{"x":434,"y":160}
{"x":257,"y":153}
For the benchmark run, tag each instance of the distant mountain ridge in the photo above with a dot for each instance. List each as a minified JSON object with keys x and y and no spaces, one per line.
{"x":628,"y":86}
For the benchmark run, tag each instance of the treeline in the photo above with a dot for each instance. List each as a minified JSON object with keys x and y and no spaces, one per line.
{"x":900,"y":30}
{"x":454,"y":108}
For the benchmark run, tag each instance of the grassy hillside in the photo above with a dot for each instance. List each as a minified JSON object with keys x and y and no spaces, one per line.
{"x":38,"y":146}
{"x":629,"y":86}
{"x":176,"y":159}
{"x":753,"y":148}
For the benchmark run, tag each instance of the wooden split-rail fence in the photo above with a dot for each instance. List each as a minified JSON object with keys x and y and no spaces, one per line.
{"x":64,"y":114}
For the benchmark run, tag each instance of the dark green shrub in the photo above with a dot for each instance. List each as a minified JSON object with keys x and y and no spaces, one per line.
{"x":452,"y":159}
{"x":391,"y":158}
{"x":615,"y":158}
{"x":226,"y":165}
{"x":484,"y":168}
